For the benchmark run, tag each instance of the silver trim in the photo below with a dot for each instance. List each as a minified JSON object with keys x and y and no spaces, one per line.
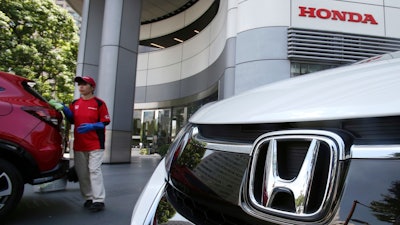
{"x":218,"y":145}
{"x":374,"y":152}
{"x":298,"y":186}
{"x":305,"y":134}
{"x":151,"y":214}
{"x":224,"y":146}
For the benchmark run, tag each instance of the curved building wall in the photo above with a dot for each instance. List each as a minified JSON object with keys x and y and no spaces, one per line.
{"x":217,"y":57}
{"x":246,"y":45}
{"x":186,"y":69}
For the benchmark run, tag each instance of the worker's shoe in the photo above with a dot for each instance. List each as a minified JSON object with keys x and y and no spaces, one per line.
{"x":87,"y":204}
{"x":97,"y":206}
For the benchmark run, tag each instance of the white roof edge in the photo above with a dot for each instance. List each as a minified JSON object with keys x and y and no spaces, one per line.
{"x":357,"y":91}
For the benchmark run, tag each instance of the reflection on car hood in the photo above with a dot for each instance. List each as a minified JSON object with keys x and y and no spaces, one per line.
{"x":331,"y":94}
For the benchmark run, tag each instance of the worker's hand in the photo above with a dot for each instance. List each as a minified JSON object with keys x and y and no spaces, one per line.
{"x":57,"y":105}
{"x":86,"y":127}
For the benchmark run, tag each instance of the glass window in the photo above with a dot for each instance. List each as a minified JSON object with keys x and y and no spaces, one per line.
{"x":149,"y":127}
{"x":137,"y":128}
{"x":157,"y":127}
{"x":163,"y":128}
{"x":297,"y":68}
{"x":179,"y":119}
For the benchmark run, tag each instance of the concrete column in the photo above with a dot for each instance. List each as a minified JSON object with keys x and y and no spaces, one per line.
{"x":89,"y":44}
{"x":117,"y":74}
{"x":90,"y":39}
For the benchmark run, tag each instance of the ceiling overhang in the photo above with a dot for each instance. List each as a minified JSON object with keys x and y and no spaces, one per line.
{"x":152,"y":10}
{"x":157,"y":10}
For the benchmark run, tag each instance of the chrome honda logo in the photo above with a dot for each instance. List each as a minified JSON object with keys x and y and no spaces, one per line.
{"x":293,"y":174}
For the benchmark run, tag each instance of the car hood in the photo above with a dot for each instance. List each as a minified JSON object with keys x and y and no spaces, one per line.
{"x":355,"y":91}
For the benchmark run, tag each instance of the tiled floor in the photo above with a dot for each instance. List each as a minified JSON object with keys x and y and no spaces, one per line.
{"x":123,"y":183}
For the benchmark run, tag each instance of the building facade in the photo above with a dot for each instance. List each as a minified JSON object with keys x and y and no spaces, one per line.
{"x":162,"y":71}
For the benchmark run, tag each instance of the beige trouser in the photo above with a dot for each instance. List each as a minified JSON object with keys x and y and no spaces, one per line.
{"x":88,"y":169}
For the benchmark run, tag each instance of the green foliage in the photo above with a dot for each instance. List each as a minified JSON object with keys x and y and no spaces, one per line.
{"x":39,"y":40}
{"x":143,"y":151}
{"x":163,"y":149}
{"x":165,"y":211}
{"x":194,"y":152}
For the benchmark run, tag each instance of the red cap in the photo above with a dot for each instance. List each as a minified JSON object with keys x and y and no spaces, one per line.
{"x":86,"y":79}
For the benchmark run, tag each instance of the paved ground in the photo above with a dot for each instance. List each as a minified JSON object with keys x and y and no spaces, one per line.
{"x":123,"y":183}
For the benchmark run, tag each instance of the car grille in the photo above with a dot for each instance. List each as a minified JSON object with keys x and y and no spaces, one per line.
{"x":334,"y":140}
{"x":379,"y":130}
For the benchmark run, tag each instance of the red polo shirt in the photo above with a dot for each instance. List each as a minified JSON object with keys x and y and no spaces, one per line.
{"x":89,"y":111}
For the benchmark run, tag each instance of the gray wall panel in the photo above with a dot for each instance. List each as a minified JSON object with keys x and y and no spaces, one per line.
{"x":163,"y":92}
{"x":194,"y":84}
{"x":254,"y":74}
{"x":227,"y":84}
{"x":140,"y":94}
{"x":230,"y":52}
{"x":208,"y":77}
{"x":261,"y":58}
{"x":262,"y":43}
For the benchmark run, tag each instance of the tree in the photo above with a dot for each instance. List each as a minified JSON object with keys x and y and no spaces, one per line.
{"x":39,"y":40}
{"x":388,"y":209}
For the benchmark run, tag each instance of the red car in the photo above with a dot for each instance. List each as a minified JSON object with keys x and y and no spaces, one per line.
{"x":31,"y":142}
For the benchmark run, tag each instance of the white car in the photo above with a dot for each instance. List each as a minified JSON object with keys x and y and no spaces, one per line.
{"x":322,"y":148}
